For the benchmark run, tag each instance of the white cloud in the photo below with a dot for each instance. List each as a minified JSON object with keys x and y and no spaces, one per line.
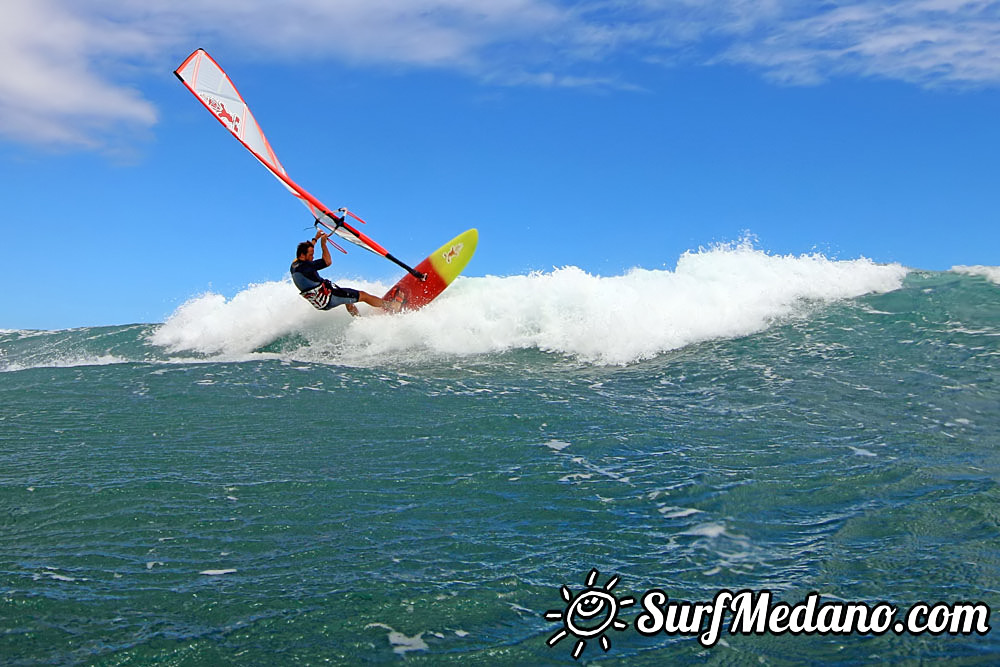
{"x":63,"y":83}
{"x":74,"y":66}
{"x":929,"y":43}
{"x":50,"y":90}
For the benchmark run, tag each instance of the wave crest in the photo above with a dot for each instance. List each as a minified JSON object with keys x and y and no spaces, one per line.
{"x":722,"y":292}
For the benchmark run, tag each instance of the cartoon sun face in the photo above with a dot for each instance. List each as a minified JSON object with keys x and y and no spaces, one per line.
{"x":588,"y":614}
{"x":584,"y":617}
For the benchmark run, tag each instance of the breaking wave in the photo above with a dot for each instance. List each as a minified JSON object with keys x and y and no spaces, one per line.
{"x":722,"y":292}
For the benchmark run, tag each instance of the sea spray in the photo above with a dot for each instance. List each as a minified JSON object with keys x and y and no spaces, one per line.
{"x":722,"y":292}
{"x":256,"y":316}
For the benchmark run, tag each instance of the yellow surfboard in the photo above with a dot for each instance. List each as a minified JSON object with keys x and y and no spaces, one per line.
{"x":441,"y":267}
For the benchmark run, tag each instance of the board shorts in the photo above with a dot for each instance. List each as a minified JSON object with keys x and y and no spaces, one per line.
{"x":340,"y":296}
{"x":326,"y":295}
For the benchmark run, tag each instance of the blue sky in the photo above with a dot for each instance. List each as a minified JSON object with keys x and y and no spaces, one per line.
{"x":604,"y":135}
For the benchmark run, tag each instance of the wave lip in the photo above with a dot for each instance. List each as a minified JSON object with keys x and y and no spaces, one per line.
{"x":991,"y":273}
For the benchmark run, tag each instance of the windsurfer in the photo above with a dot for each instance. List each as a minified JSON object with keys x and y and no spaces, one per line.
{"x":322,"y":293}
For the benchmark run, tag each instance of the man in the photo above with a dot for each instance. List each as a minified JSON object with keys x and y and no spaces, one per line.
{"x":321,"y":293}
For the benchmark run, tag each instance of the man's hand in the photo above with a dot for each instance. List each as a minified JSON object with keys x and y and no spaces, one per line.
{"x":323,"y":236}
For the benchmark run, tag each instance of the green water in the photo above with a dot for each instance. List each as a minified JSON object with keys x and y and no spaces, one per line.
{"x":191,"y":511}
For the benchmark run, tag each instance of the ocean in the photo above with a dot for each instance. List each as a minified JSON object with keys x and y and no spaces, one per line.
{"x":254,"y":482}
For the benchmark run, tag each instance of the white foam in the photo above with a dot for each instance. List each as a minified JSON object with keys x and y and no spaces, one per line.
{"x":69,"y":361}
{"x":991,"y":273}
{"x":709,"y":530}
{"x":678,"y":512}
{"x":716,"y":293}
{"x":401,"y":643}
{"x":256,"y":316}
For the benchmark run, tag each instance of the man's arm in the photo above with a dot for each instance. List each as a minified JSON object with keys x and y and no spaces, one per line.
{"x":326,"y":250}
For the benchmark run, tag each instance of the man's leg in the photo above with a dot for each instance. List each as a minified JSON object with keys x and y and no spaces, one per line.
{"x":376,"y":302}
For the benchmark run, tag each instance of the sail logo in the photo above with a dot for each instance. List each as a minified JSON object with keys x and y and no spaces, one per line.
{"x":453,"y":252}
{"x":588,"y":614}
{"x":219,"y":109}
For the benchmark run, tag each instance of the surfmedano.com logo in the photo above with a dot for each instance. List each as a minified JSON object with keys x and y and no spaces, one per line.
{"x":589,"y":614}
{"x":593,"y":611}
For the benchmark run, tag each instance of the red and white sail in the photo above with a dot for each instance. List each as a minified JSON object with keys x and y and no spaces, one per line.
{"x":210,"y":84}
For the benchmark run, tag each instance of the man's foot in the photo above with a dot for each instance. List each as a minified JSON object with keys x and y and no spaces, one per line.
{"x":394,"y":301}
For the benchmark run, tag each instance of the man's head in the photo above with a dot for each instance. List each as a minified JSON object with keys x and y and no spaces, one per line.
{"x":305,"y":250}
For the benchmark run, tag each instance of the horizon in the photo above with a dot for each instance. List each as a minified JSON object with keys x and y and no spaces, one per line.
{"x":569,"y":135}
